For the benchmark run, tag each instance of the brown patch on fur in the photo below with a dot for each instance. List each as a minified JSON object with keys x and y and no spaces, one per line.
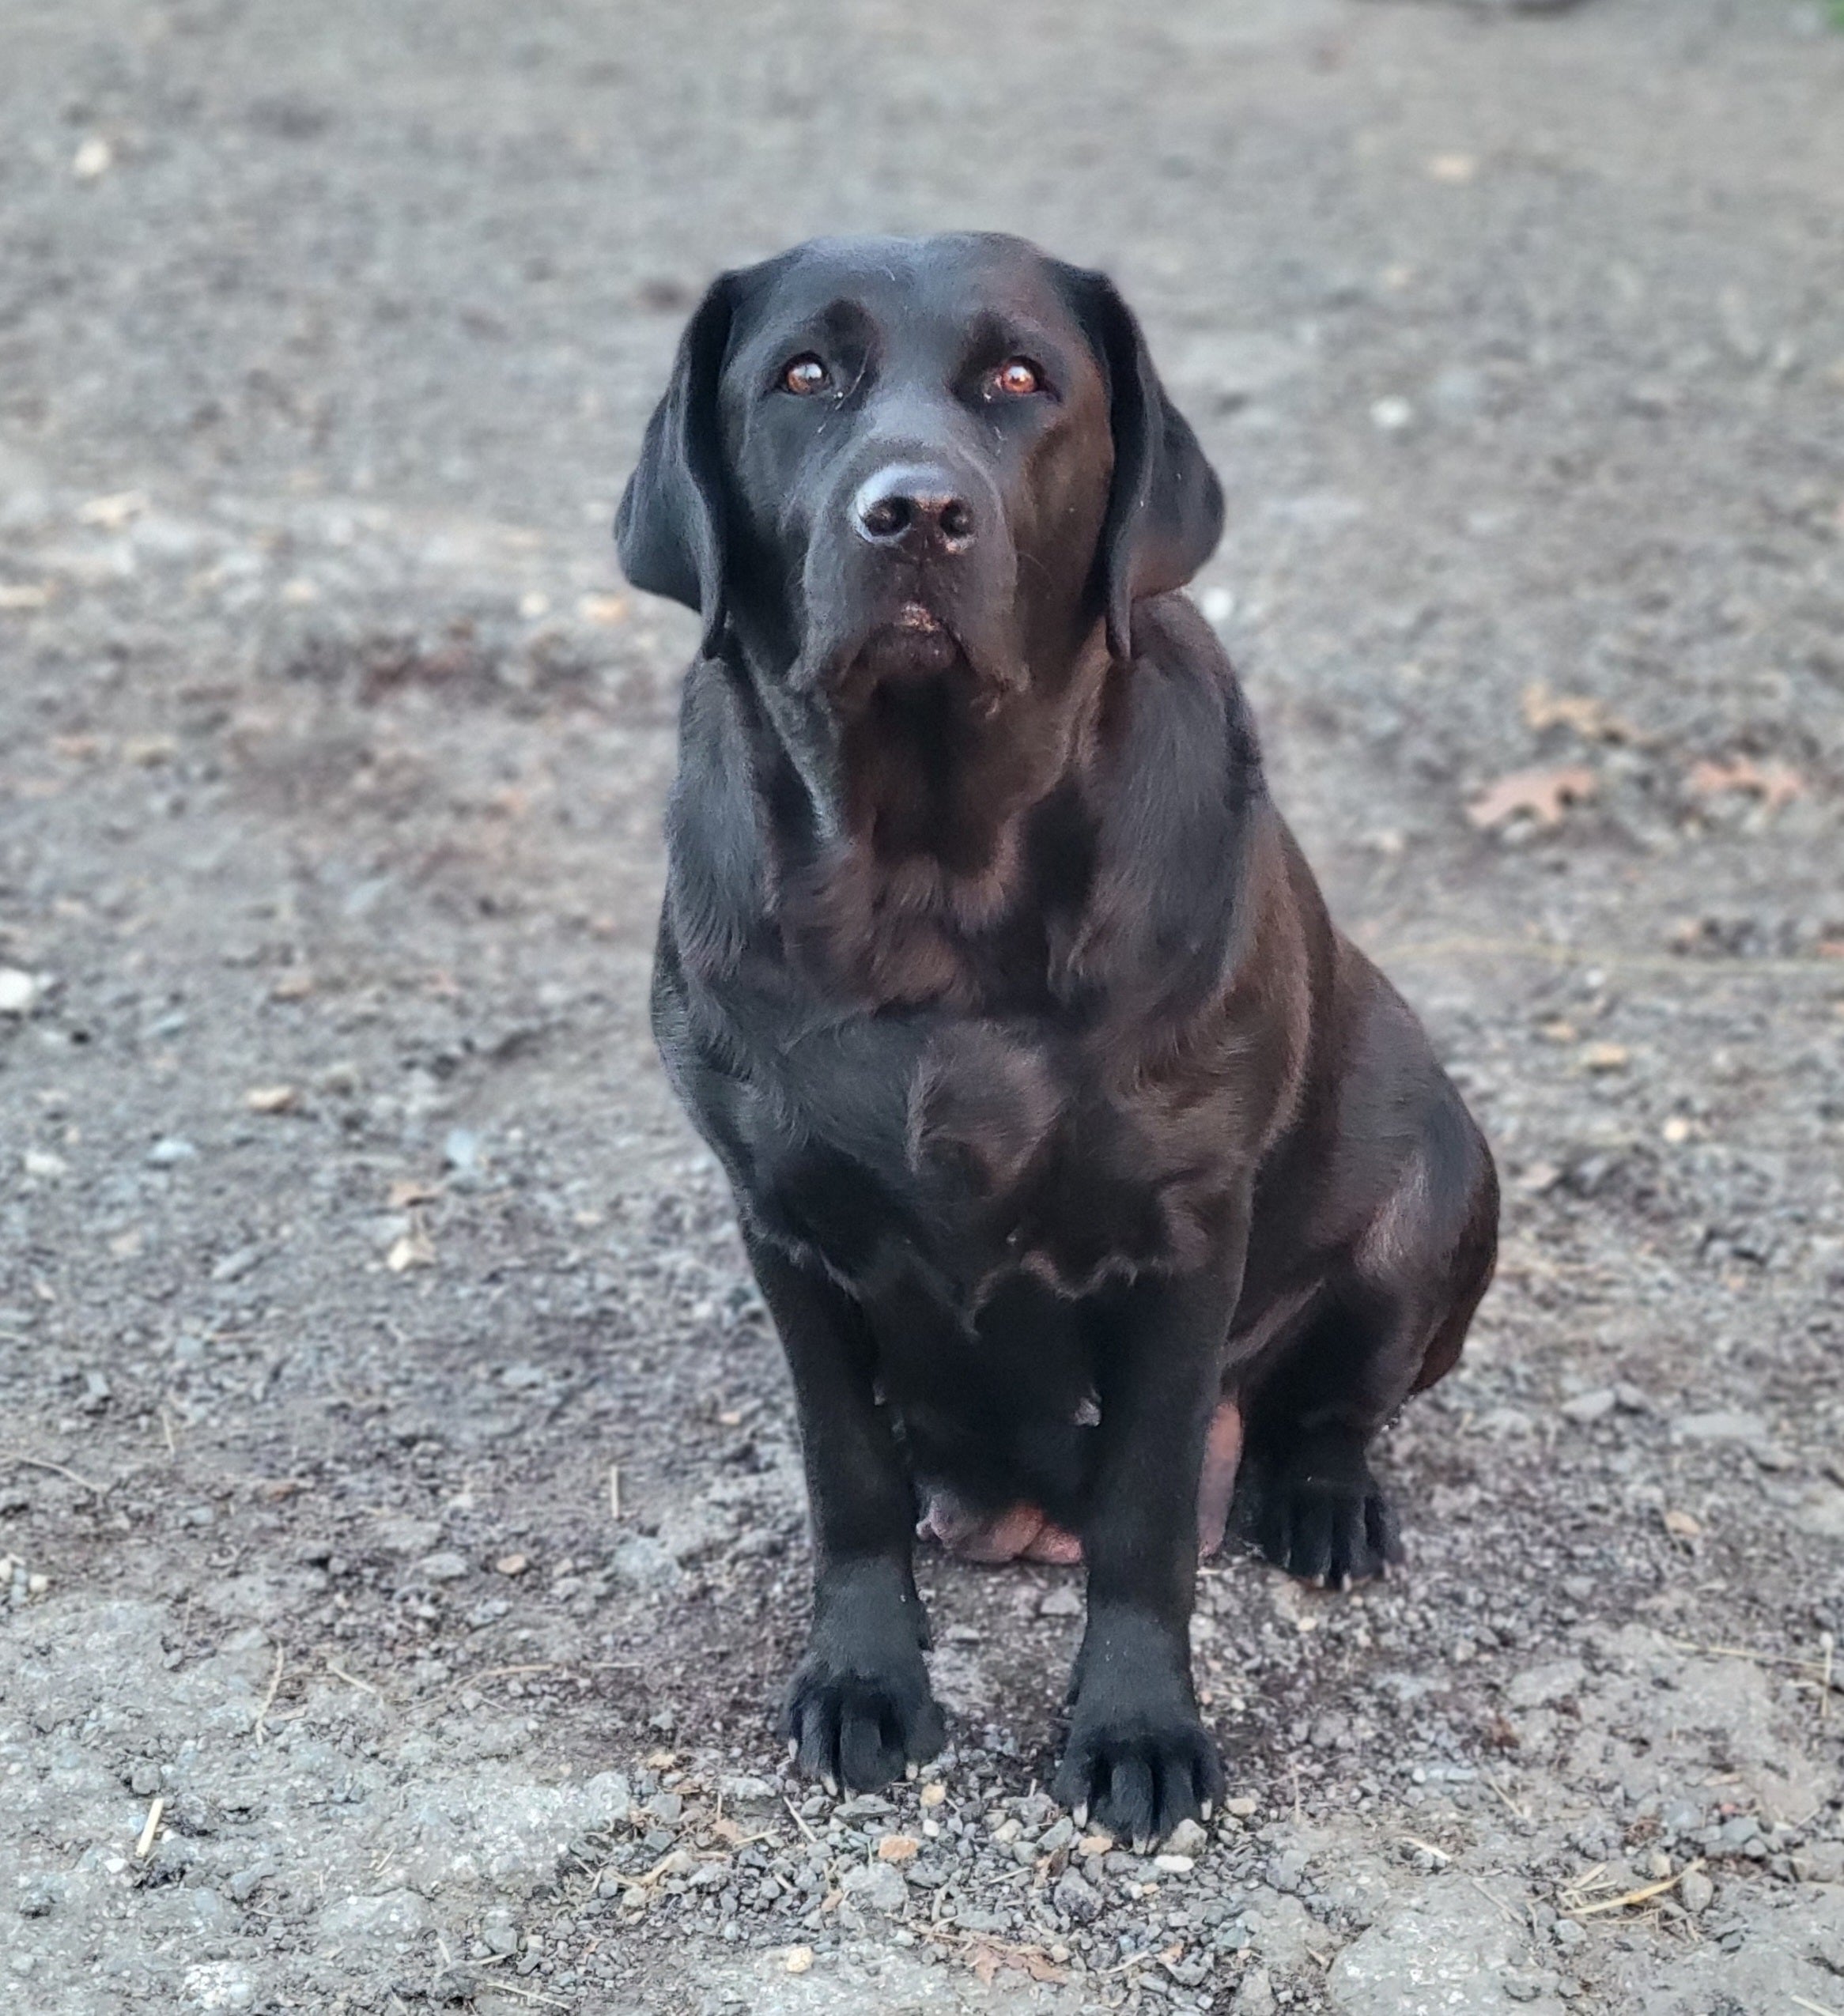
{"x":939,"y":775}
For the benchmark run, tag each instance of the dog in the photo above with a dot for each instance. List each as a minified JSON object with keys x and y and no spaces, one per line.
{"x":1098,"y":1188}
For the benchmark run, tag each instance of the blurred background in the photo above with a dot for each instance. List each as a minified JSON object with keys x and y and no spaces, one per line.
{"x":386,"y":1408}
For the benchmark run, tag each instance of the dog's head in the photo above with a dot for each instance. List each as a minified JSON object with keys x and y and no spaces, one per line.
{"x":884,"y":458}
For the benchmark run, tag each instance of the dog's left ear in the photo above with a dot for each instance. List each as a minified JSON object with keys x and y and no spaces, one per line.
{"x":670,"y":529}
{"x":1166,"y":506}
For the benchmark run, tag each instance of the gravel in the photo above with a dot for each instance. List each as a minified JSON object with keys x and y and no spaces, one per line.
{"x":401,"y":1514}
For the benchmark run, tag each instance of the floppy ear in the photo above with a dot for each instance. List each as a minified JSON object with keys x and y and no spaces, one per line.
{"x":1165,"y":506}
{"x":669,"y":530}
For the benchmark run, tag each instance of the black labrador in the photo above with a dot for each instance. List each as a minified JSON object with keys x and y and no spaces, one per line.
{"x":1099,"y":1188}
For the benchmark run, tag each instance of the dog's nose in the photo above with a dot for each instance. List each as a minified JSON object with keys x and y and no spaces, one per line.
{"x":913,"y":507}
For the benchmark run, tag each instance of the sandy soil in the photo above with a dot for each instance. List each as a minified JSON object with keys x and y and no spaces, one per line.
{"x":403,"y":1537}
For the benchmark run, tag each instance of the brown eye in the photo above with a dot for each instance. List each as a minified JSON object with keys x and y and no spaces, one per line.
{"x":805,"y":375}
{"x":1017,"y":380}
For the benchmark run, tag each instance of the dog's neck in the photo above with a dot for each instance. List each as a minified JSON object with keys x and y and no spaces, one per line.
{"x":921,"y":793}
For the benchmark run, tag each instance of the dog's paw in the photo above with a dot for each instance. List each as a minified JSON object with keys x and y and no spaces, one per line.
{"x":1139,"y":1772}
{"x":1319,"y":1514}
{"x":860,"y":1722}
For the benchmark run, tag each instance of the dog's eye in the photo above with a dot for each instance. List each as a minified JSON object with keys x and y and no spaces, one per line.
{"x":805,"y":374}
{"x":1017,"y":379}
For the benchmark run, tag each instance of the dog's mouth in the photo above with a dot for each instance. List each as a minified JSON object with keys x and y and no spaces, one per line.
{"x":913,"y":642}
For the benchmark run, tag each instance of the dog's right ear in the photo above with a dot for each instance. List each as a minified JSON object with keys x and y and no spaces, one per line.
{"x":670,"y":529}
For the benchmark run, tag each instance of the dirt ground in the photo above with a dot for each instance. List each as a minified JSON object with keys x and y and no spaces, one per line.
{"x":402,"y":1531}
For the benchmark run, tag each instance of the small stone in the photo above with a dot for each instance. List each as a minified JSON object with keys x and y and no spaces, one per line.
{"x":933,"y":1794}
{"x":1242,"y":1808}
{"x":1256,"y":1996}
{"x":799,"y":1960}
{"x":511,"y":1565}
{"x":1568,"y":1934}
{"x":1076,"y":1896}
{"x":1695,"y":1892}
{"x":18,"y":990}
{"x":1722,"y":1426}
{"x":442,"y":1567}
{"x":169,"y":1149}
{"x":1391,"y":416}
{"x":1187,"y":1838}
{"x":1173,"y":1865}
{"x":270,"y":1098}
{"x":499,"y":1934}
{"x":1539,"y":1687}
{"x":144,"y":1781}
{"x":878,"y":1884}
{"x":1589,"y":1407}
{"x":897,"y":1847}
{"x":1064,"y":1600}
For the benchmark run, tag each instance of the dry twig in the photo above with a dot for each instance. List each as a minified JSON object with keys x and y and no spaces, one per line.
{"x":268,"y":1699}
{"x":58,"y":1470}
{"x":1644,"y":1895}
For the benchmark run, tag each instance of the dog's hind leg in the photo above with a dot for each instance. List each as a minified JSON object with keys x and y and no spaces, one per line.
{"x":1389,"y":1323}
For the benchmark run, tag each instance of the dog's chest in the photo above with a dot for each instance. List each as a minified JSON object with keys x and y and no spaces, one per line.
{"x":988,"y":1151}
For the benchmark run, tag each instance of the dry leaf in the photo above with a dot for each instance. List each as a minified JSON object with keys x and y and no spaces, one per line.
{"x":897,"y":1847}
{"x":412,"y":1250}
{"x":1588,"y":717}
{"x":1774,"y":784}
{"x":270,"y":1098}
{"x":986,"y":1959}
{"x":1683,"y":1525}
{"x":1543,"y":794}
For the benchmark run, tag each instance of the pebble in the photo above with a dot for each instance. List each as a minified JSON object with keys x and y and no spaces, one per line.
{"x":1695,"y":1892}
{"x":1075,"y":1895}
{"x":1256,"y":1995}
{"x":442,"y":1567}
{"x":878,"y":1884}
{"x":170,"y":1148}
{"x":1589,"y":1407}
{"x":18,"y":990}
{"x":1186,"y":1839}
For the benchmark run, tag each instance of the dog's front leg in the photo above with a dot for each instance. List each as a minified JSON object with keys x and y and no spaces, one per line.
{"x":1139,"y":1759}
{"x":858,"y":1709}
